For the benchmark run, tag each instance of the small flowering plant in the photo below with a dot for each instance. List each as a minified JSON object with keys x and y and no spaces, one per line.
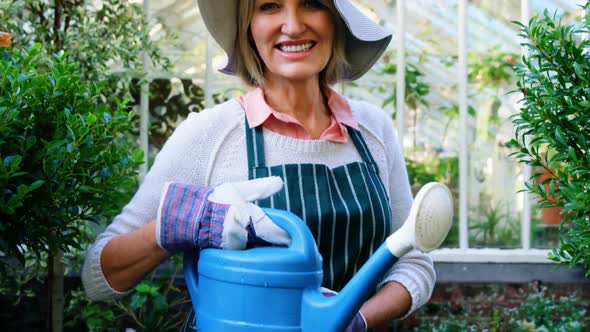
{"x":5,"y":39}
{"x":553,"y":126}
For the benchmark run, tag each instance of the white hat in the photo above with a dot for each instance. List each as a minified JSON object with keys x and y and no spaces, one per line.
{"x":365,"y":39}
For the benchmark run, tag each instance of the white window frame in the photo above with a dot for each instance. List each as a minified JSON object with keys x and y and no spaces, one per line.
{"x":465,"y":254}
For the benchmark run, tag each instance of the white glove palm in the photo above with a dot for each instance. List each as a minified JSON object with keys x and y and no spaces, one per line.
{"x":242,"y":212}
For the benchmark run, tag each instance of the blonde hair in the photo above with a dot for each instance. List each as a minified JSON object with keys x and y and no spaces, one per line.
{"x":251,"y":67}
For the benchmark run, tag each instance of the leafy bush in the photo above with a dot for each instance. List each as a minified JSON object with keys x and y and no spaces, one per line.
{"x":553,"y":126}
{"x":63,"y":159}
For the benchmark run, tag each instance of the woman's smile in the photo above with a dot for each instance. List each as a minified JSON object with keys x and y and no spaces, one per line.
{"x":295,"y":49}
{"x":295,"y":46}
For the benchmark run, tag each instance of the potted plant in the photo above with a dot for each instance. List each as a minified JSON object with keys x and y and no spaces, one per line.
{"x":552,"y":215}
{"x":553,"y":126}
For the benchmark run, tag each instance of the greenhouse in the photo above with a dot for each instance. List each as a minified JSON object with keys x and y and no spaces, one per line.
{"x":117,"y":120}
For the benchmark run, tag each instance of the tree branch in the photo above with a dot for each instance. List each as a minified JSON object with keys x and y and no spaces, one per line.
{"x":57,"y":24}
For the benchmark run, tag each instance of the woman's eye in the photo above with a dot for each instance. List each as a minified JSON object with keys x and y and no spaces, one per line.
{"x":268,"y":6}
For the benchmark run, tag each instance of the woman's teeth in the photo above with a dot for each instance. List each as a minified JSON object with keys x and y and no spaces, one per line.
{"x":296,"y":48}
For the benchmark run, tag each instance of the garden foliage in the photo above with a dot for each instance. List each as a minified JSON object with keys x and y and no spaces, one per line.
{"x":106,"y":38}
{"x":63,"y":156}
{"x":553,"y":126}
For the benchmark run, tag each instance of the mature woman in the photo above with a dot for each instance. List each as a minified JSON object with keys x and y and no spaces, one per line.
{"x":290,"y":143}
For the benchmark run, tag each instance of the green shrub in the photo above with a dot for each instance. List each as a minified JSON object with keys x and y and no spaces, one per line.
{"x":63,"y":157}
{"x":553,"y":126}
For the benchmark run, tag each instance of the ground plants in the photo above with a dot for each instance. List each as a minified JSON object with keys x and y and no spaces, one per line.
{"x":157,"y":304}
{"x":538,"y":309}
{"x":553,"y":125}
{"x":543,"y":311}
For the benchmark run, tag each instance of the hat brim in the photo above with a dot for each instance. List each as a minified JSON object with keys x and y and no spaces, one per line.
{"x":365,"y":40}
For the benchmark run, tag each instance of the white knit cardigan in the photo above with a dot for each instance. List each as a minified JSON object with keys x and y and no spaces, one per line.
{"x":209,"y":148}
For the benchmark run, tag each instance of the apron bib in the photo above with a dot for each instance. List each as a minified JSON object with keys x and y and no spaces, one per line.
{"x":346,"y":208}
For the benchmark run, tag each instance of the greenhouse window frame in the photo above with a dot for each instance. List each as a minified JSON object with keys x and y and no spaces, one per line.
{"x":464,"y":253}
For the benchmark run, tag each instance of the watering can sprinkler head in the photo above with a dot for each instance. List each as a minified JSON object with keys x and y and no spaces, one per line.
{"x":428,"y":223}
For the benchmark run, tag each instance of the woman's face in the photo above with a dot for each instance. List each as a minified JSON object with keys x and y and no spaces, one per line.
{"x":293,"y":37}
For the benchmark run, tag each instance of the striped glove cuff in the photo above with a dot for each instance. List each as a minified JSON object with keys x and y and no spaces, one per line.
{"x":358,"y":324}
{"x":187,"y":219}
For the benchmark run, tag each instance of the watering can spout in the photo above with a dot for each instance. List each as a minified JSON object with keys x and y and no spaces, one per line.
{"x":321,"y":313}
{"x":425,"y":229}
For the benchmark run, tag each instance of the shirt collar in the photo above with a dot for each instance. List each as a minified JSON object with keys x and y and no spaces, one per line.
{"x":257,"y":110}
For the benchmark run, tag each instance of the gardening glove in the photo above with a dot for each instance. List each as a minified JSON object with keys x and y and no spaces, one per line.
{"x":192,"y":216}
{"x":358,"y":323}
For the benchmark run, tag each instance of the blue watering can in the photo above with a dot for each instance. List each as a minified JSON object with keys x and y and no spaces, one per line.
{"x":279,"y":288}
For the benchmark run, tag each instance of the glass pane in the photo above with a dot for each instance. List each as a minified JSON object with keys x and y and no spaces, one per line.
{"x":429,"y":139}
{"x":494,"y":208}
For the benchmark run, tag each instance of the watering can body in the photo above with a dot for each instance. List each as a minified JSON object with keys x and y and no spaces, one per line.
{"x":275,"y":288}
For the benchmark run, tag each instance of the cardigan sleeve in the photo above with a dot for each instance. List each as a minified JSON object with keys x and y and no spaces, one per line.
{"x":415,"y":270}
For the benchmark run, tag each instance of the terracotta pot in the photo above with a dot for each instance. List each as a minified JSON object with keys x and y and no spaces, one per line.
{"x":551,"y":215}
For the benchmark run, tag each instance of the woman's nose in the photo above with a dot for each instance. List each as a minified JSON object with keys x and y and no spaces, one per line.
{"x":294,"y":23}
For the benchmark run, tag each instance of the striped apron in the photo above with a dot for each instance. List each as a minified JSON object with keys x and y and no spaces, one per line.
{"x":346,"y":208}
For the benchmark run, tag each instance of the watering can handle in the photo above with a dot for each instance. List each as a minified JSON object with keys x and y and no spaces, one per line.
{"x":301,"y":238}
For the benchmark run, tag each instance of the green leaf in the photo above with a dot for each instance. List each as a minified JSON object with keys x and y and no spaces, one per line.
{"x":137,"y":155}
{"x":143,"y":288}
{"x":35,"y":185}
{"x":90,"y":119}
{"x":137,"y":300}
{"x":559,"y":136}
{"x":578,"y":69}
{"x":12,"y":162}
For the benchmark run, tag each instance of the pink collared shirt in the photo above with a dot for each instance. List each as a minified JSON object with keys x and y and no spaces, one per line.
{"x":259,"y":112}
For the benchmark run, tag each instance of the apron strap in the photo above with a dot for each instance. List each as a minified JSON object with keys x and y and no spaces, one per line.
{"x":255,"y":149}
{"x":362,"y":148}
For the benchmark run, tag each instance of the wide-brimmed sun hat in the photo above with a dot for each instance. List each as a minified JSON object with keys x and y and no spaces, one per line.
{"x":365,"y":39}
